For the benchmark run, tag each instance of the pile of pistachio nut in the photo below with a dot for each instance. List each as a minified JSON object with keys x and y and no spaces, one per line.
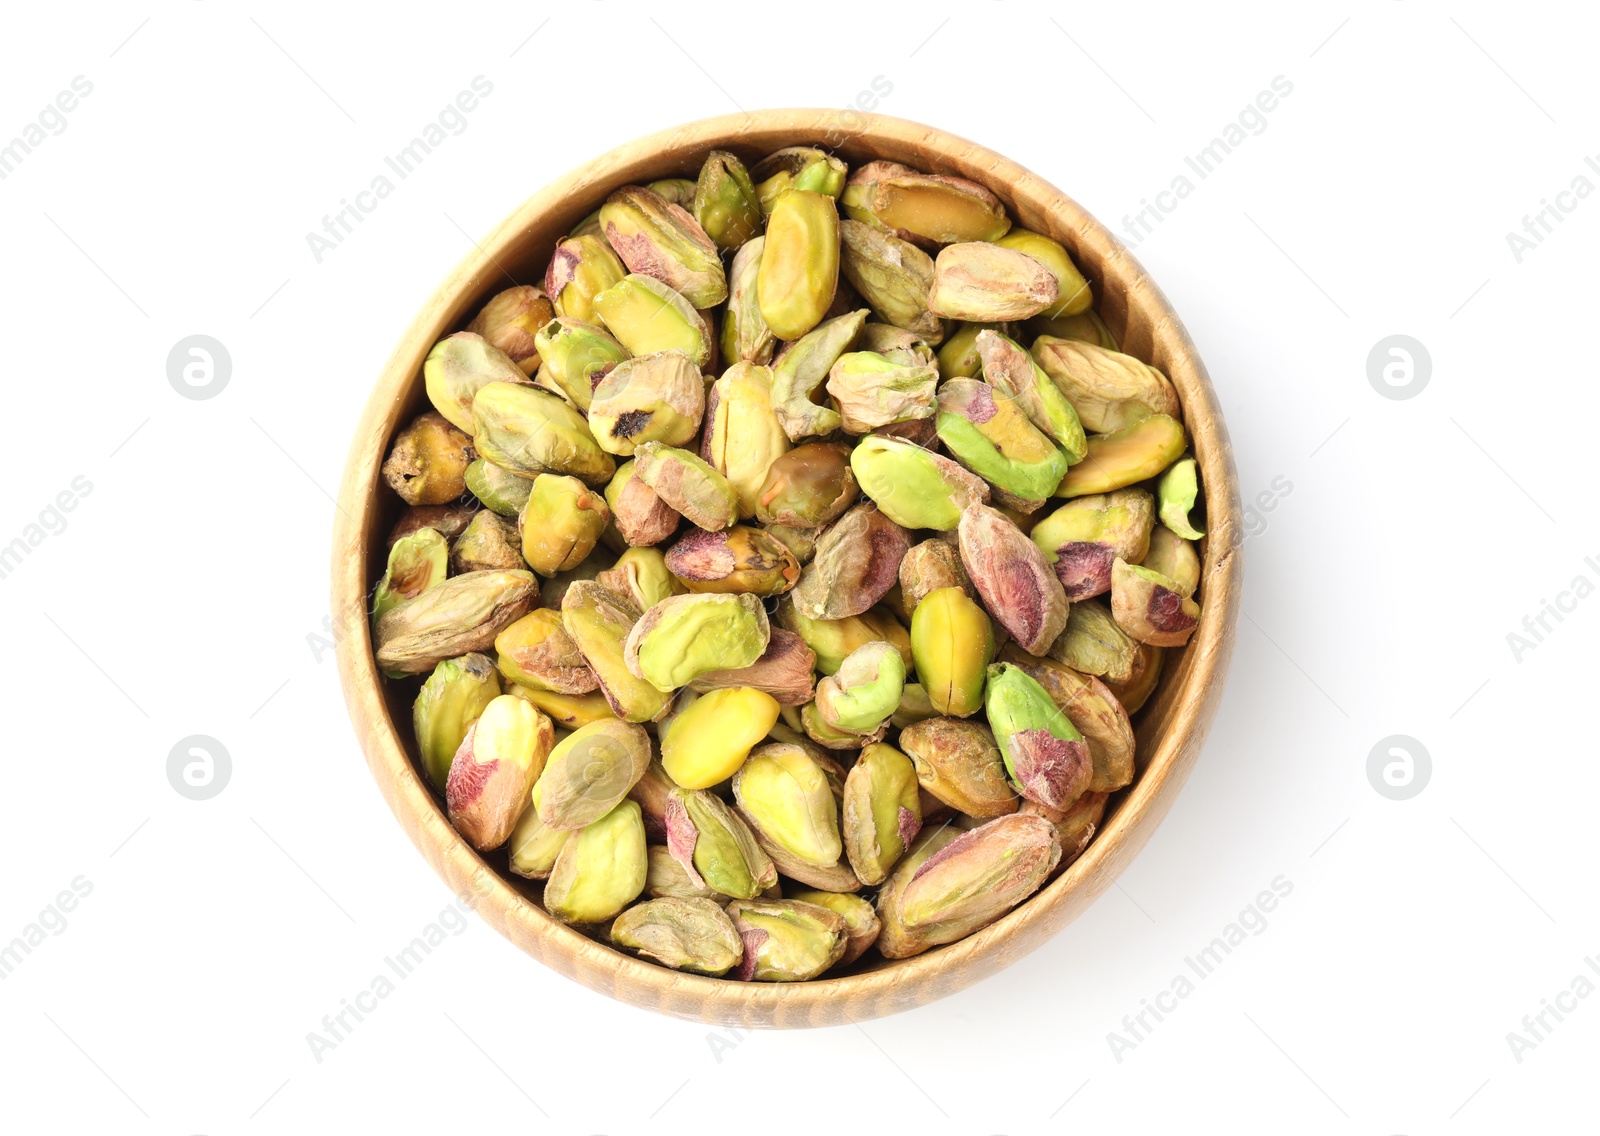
{"x":775,"y":603}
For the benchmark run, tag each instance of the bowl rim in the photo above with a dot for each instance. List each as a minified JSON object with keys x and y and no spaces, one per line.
{"x":1189,"y":700}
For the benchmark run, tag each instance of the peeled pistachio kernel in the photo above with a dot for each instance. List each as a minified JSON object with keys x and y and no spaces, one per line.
{"x":685,"y":934}
{"x":589,"y":772}
{"x":501,"y":491}
{"x":990,"y":434}
{"x":978,"y":877}
{"x":800,"y":263}
{"x":561,"y":523}
{"x":715,"y":847}
{"x":688,"y":484}
{"x":416,"y":563}
{"x":929,"y":566}
{"x":1150,"y":607}
{"x":462,"y":614}
{"x":958,"y":355}
{"x":489,"y":541}
{"x":654,"y":237}
{"x":706,"y":744}
{"x":529,"y":431}
{"x":1086,"y":327}
{"x":600,"y":870}
{"x":511,"y":319}
{"x":640,"y":576}
{"x":498,"y":761}
{"x":1084,"y":536}
{"x":861,"y":924}
{"x":801,"y":542}
{"x":683,"y":637}
{"x":638,"y":511}
{"x":668,"y":879}
{"x":1111,"y":391}
{"x":725,"y":201}
{"x":799,"y":371}
{"x":833,"y":639}
{"x":1013,"y":578}
{"x":786,"y":941}
{"x":743,"y":436}
{"x":861,"y":695}
{"x":458,"y":367}
{"x":534,"y":846}
{"x":882,"y":814}
{"x":914,"y":487}
{"x":981,"y":282}
{"x":740,"y":559}
{"x":427,"y":465}
{"x":1175,"y":558}
{"x":577,"y":357}
{"x":1093,"y":644}
{"x":746,"y":338}
{"x":872,"y":390}
{"x":1090,"y":706}
{"x":797,"y":167}
{"x":675,"y":191}
{"x":447,"y":520}
{"x":1047,"y":758}
{"x":1126,"y":457}
{"x":930,"y":209}
{"x":649,"y":398}
{"x":952,"y":644}
{"x":808,"y":486}
{"x":599,"y":621}
{"x":536,"y":651}
{"x":1073,"y":291}
{"x":914,"y":707}
{"x":555,"y":588}
{"x":895,"y":941}
{"x":958,"y":762}
{"x":1007,"y":367}
{"x":580,"y":269}
{"x":819,"y":730}
{"x":569,"y":711}
{"x":857,"y":561}
{"x":896,"y":344}
{"x":1177,"y":490}
{"x":448,"y":703}
{"x":784,"y":671}
{"x":646,"y":316}
{"x":784,"y":795}
{"x":893,"y":277}
{"x":1141,"y":682}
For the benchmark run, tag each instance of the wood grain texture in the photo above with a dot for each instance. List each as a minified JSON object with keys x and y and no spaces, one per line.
{"x":1170,"y":730}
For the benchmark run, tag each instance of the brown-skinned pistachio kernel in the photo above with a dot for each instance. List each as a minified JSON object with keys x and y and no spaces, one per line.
{"x":580,"y":269}
{"x":449,"y":521}
{"x":1149,"y":606}
{"x":427,"y":465}
{"x":656,"y":238}
{"x":1083,"y":537}
{"x":1093,"y":644}
{"x":1013,"y":578}
{"x":649,"y":398}
{"x":807,"y":487}
{"x":1110,"y":390}
{"x":861,"y":924}
{"x":589,"y":772}
{"x":689,"y":484}
{"x":511,"y":319}
{"x":458,"y":367}
{"x":462,"y":614}
{"x":741,"y":559}
{"x":1175,"y":558}
{"x":984,"y":283}
{"x":856,"y":562}
{"x":978,"y":877}
{"x":784,"y":671}
{"x":1075,"y":825}
{"x":929,"y":566}
{"x":1133,"y":692}
{"x":1047,"y":757}
{"x":958,"y":762}
{"x":893,"y":277}
{"x":928,"y":209}
{"x":502,"y":755}
{"x":787,"y":941}
{"x":685,"y":934}
{"x":640,"y":514}
{"x":536,"y":651}
{"x":882,"y":814}
{"x":489,"y":541}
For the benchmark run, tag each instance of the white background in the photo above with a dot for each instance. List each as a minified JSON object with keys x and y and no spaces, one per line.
{"x":186,"y":593}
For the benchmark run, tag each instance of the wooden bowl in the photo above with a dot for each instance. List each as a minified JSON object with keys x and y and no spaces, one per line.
{"x":1170,"y":729}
